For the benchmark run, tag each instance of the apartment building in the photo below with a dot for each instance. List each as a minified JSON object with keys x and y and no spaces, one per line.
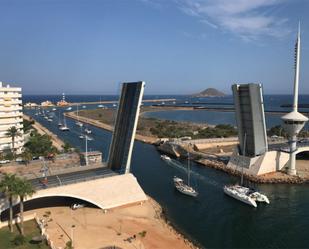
{"x":10,"y":115}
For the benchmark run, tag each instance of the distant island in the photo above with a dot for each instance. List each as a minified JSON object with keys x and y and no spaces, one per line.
{"x":209,"y":92}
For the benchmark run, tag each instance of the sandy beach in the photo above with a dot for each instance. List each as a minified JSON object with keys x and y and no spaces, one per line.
{"x":139,"y":226}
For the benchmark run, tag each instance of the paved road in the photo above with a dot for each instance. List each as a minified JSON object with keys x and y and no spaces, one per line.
{"x":74,"y":177}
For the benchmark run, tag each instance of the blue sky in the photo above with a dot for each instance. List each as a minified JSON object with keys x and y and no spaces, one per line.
{"x":176,"y":46}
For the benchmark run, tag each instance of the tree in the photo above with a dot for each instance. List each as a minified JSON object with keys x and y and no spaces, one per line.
{"x":13,"y":132}
{"x":26,"y":156}
{"x":8,"y":187}
{"x":23,"y":188}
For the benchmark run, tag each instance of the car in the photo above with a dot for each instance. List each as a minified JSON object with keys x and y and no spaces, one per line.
{"x":77,"y":206}
{"x":304,"y":140}
{"x":19,"y":159}
{"x":4,"y":161}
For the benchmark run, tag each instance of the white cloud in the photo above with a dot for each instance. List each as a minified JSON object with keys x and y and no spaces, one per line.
{"x":249,"y":19}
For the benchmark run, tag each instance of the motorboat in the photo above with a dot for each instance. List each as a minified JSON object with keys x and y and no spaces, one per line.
{"x":182,"y":187}
{"x":84,"y":107}
{"x":54,"y":109}
{"x":245,"y":195}
{"x":78,"y":123}
{"x":50,"y":120}
{"x":100,"y":106}
{"x":88,"y":131}
{"x":88,"y":138}
{"x":69,"y":108}
{"x":81,"y":136}
{"x":165,"y":157}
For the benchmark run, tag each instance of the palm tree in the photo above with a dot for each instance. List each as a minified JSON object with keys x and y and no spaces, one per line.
{"x":8,"y":187}
{"x":13,"y":132}
{"x":23,"y":189}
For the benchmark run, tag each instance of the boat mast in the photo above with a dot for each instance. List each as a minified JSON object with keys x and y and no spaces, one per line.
{"x":86,"y":152}
{"x":188,"y":168}
{"x":244,"y":154}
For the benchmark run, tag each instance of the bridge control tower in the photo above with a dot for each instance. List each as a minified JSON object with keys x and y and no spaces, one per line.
{"x":294,"y":121}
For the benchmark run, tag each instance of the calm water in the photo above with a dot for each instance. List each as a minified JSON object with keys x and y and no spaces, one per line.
{"x":213,"y":219}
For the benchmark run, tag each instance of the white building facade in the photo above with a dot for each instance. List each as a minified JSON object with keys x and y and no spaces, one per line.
{"x":11,"y":115}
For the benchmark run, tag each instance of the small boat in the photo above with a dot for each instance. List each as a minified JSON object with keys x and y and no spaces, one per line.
{"x":49,"y":120}
{"x":185,"y":188}
{"x":88,"y":131}
{"x":46,"y":117}
{"x":81,"y":136}
{"x":165,"y":157}
{"x":114,"y":105}
{"x":69,"y":108}
{"x":64,"y":127}
{"x":88,"y":138}
{"x":54,"y":109}
{"x":59,"y":122}
{"x":100,"y":106}
{"x":84,"y":107}
{"x":78,"y":123}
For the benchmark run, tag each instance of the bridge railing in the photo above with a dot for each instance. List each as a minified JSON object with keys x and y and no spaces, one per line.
{"x":40,"y":186}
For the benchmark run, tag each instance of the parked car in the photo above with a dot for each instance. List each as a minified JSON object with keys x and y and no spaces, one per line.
{"x":19,"y":160}
{"x":77,"y":206}
{"x":4,"y":161}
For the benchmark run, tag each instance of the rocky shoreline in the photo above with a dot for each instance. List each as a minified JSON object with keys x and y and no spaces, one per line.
{"x":161,"y":215}
{"x":271,"y":178}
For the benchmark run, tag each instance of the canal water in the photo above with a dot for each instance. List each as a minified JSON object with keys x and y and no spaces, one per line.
{"x":213,"y":219}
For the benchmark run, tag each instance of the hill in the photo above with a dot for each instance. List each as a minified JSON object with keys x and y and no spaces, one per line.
{"x":209,"y":92}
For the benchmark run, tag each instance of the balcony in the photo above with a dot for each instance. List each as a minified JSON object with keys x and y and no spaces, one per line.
{"x":10,"y":95}
{"x":8,"y":121}
{"x":11,"y":115}
{"x":5,"y":127}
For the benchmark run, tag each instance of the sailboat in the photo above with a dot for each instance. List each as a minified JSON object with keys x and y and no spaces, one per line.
{"x":78,"y":123}
{"x":64,"y":127}
{"x":100,"y":105}
{"x":185,"y":188}
{"x":59,"y":121}
{"x":242,"y":193}
{"x":81,"y":135}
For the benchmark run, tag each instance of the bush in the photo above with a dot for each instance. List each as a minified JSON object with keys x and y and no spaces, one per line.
{"x":69,"y":245}
{"x":19,"y":240}
{"x":40,"y":145}
{"x":27,"y":125}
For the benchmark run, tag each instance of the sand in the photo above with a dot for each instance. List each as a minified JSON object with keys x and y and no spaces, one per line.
{"x":122,"y":227}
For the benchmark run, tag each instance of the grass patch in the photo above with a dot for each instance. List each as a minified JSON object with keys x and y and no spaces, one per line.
{"x":31,"y":230}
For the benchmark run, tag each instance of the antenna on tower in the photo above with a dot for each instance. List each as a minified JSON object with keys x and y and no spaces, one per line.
{"x":297,"y":62}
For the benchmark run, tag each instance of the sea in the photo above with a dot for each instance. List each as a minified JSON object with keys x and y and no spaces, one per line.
{"x":212,"y":220}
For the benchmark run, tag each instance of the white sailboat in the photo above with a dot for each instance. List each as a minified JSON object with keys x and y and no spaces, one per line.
{"x":78,"y":123}
{"x":244,"y":194}
{"x":100,"y":105}
{"x":64,"y":127}
{"x":59,"y":120}
{"x":185,"y":188}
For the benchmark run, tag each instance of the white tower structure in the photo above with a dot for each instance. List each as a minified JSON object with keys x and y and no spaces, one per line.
{"x":294,"y":121}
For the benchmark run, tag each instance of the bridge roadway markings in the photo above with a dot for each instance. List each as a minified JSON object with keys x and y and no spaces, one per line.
{"x":73,"y":177}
